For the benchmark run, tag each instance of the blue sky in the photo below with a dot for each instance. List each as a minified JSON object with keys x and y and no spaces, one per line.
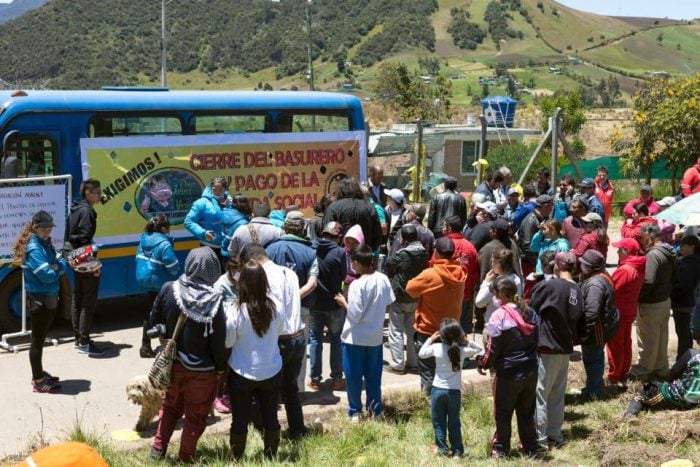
{"x":675,"y":9}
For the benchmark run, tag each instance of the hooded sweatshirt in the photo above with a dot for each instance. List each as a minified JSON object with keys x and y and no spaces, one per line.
{"x":687,"y":279}
{"x":660,"y":272}
{"x":628,"y":279}
{"x":82,"y":224}
{"x":39,"y":276}
{"x":200,"y":345}
{"x":331,"y":272}
{"x":439,"y":291}
{"x":403,"y":266}
{"x":353,"y":232}
{"x":207,"y":215}
{"x":512,"y":343}
{"x":156,"y":262}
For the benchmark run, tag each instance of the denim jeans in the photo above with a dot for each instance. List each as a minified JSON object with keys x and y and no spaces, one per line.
{"x":467,"y":315}
{"x":594,"y":363}
{"x":333,"y":320}
{"x":293,"y":351}
{"x":363,"y":364}
{"x":444,"y":410}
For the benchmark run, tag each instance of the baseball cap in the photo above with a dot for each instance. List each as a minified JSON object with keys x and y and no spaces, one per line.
{"x":646,"y":188}
{"x":544,"y":200}
{"x":395,"y":194}
{"x":43,"y":220}
{"x":587,"y":183}
{"x":629,"y":244}
{"x":294,"y":215}
{"x":333,"y":228}
{"x":594,"y":259}
{"x":667,"y":201}
{"x":592,"y":217}
{"x":488,"y":206}
{"x":564,"y":260}
{"x":514,"y":193}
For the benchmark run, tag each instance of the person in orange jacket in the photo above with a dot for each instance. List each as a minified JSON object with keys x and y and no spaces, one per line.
{"x":439,"y":290}
{"x":604,"y":191}
{"x":690,"y":183}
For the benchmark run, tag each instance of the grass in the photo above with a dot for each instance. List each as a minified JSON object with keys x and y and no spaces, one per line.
{"x":595,"y":432}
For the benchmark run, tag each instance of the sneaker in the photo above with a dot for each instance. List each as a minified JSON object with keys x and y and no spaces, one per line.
{"x":45,"y":386}
{"x":553,"y":443}
{"x":155,"y":454}
{"x":52,"y":379}
{"x":338,"y":384}
{"x":314,"y":384}
{"x":355,"y":418}
{"x":390,"y":369}
{"x":222,"y":405}
{"x":90,"y":349}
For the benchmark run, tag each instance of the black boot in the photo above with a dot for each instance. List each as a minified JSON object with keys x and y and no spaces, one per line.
{"x":271,"y":441}
{"x":237,"y":443}
{"x":146,"y":351}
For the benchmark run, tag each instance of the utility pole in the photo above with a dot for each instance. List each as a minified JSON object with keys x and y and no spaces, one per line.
{"x":163,"y":64}
{"x":418,"y":175}
{"x":310,"y":73}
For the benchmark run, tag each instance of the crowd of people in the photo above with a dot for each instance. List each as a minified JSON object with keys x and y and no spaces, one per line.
{"x":524,"y":266}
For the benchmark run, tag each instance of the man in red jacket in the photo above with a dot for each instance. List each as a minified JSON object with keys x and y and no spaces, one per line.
{"x":627,"y":279}
{"x":468,"y":257}
{"x":690,"y":183}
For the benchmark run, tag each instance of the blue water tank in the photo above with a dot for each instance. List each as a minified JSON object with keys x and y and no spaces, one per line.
{"x":499,"y":111}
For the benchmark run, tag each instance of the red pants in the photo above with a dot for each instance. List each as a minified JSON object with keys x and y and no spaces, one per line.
{"x":191,"y":393}
{"x":619,"y":350}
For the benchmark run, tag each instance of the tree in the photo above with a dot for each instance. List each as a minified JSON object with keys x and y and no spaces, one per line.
{"x":572,"y":108}
{"x":431,"y":65}
{"x":511,"y":89}
{"x":660,"y":38}
{"x":484,"y":91}
{"x":667,"y":127}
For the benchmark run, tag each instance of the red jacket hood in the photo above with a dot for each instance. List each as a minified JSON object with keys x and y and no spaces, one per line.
{"x":637,"y":262}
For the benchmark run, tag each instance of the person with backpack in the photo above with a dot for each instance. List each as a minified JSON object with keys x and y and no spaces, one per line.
{"x":156,"y":264}
{"x":260,"y":230}
{"x":599,"y":322}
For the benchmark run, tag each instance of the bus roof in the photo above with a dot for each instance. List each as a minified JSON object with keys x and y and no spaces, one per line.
{"x":124,"y":100}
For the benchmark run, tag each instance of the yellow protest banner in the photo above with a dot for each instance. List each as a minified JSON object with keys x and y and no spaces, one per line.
{"x":142,"y":176}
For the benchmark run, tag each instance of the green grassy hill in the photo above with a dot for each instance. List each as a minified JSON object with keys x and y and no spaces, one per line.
{"x":84,"y":44}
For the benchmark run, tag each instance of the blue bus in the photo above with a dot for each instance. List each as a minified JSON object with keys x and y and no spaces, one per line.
{"x":78,"y":132}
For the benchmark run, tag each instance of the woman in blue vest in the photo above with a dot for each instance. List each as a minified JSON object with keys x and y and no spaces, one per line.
{"x":156,"y":264}
{"x":206,"y":217}
{"x":42,"y":270}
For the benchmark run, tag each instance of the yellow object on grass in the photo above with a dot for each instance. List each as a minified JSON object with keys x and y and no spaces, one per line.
{"x":125,"y":434}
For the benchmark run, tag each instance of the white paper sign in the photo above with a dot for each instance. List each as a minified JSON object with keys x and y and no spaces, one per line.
{"x":19,"y":203}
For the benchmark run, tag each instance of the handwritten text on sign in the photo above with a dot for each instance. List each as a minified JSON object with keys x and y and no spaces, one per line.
{"x":18,"y":205}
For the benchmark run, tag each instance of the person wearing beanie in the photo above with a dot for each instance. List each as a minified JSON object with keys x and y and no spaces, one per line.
{"x":439,"y":291}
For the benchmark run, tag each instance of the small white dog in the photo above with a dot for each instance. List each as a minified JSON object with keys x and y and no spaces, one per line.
{"x":140,"y":392}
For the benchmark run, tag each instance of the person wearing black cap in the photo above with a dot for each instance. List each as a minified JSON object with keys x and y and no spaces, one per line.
{"x":415,"y":213}
{"x":500,"y":238}
{"x":42,"y":272}
{"x":587,"y":187}
{"x":646,"y":196}
{"x":600,"y":321}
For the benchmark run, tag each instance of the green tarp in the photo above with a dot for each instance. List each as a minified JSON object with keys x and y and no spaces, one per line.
{"x":589,"y":168}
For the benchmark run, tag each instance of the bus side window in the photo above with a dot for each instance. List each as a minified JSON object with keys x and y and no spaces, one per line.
{"x":303,"y":122}
{"x":35,"y":156}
